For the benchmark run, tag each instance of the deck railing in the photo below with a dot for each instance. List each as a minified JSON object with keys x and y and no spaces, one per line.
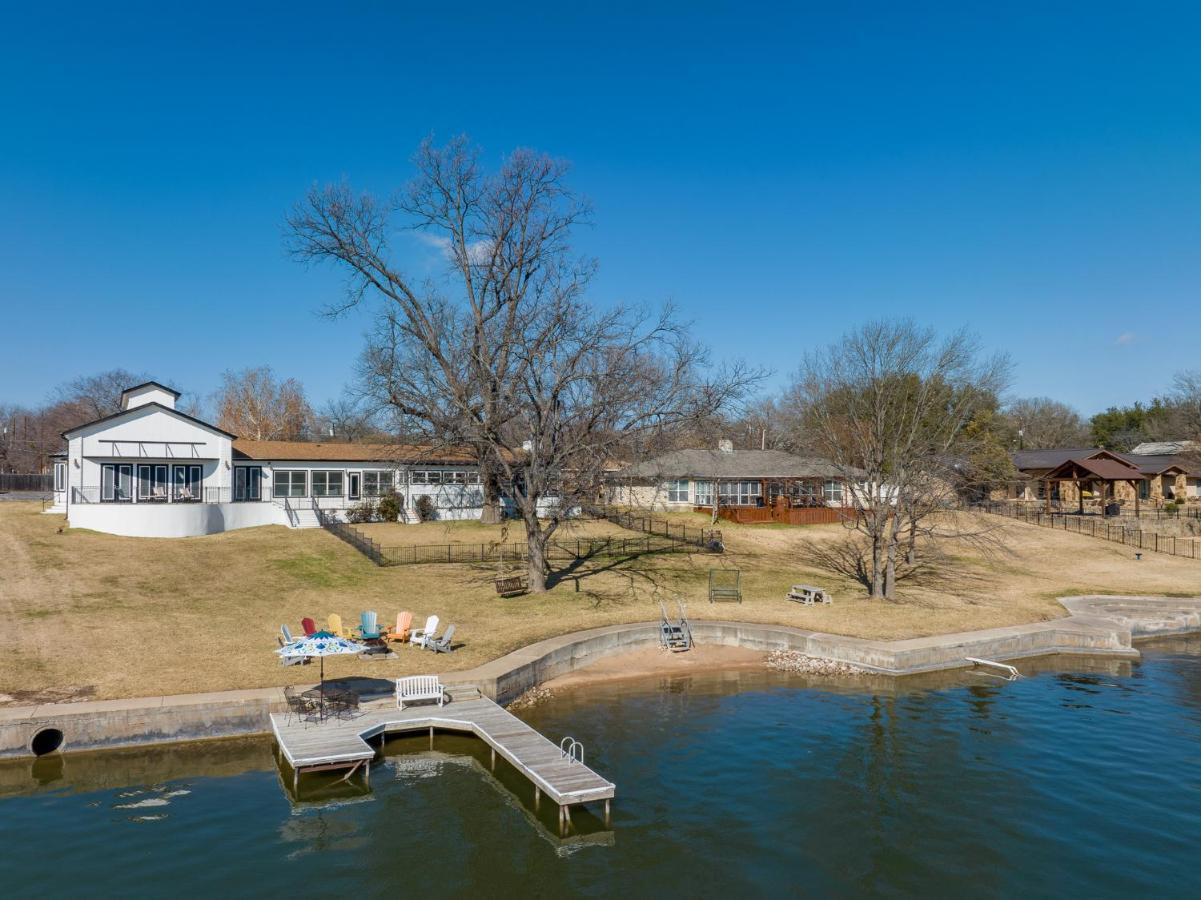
{"x":704,"y":538}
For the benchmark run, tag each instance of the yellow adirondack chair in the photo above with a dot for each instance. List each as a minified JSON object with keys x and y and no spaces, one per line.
{"x":334,"y":626}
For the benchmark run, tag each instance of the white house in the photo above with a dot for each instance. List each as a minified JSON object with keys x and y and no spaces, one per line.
{"x":151,"y":470}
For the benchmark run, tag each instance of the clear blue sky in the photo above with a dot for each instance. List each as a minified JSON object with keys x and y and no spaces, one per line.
{"x":781,"y":175}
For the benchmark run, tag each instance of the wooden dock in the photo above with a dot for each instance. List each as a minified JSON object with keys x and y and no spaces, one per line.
{"x":342,"y":744}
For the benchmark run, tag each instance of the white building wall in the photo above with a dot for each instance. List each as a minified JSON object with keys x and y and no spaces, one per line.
{"x":173,"y":520}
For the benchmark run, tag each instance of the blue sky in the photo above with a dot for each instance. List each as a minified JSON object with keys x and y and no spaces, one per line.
{"x":781,"y":174}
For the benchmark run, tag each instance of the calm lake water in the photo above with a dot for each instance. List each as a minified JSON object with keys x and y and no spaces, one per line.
{"x":1082,"y":779}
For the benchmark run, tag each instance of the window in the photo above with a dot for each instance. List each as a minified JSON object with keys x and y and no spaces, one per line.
{"x":454,"y":477}
{"x":290,"y":483}
{"x":327,"y":483}
{"x":832,"y":491}
{"x":739,"y":493}
{"x":473,"y":477}
{"x":419,"y":477}
{"x":704,"y":493}
{"x":376,"y":484}
{"x":60,"y":476}
{"x":677,"y":491}
{"x":434,"y":477}
{"x":1144,"y":489}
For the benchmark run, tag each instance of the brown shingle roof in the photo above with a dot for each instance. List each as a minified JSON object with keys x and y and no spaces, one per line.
{"x":305,"y":451}
{"x":1103,"y":468}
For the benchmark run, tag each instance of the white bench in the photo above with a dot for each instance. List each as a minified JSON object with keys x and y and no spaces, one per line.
{"x":418,"y":687}
{"x":808,"y":594}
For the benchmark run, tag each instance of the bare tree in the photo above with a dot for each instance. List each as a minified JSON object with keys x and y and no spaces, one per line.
{"x":99,"y":395}
{"x":253,"y":404}
{"x":1040,"y":423}
{"x":347,"y":419}
{"x":889,"y":406}
{"x":503,"y":354}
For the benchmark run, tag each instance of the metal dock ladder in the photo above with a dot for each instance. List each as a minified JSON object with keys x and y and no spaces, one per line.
{"x":675,"y":636}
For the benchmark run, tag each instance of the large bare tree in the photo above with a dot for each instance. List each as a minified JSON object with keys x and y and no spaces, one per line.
{"x":891,"y":405}
{"x":253,"y":403}
{"x":1041,"y":423}
{"x":502,"y":352}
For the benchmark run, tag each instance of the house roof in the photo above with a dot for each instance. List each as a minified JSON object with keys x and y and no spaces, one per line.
{"x":1028,"y":460}
{"x":1050,"y":458}
{"x":700,"y":463}
{"x":315,"y":451}
{"x":1164,"y":448}
{"x":136,"y":387}
{"x":1104,"y":468}
{"x":138,"y":409}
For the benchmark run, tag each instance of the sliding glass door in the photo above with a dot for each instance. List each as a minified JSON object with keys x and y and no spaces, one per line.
{"x":188,"y":484}
{"x":248,"y":483}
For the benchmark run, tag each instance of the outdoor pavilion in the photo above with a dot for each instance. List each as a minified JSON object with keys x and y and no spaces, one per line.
{"x":1099,"y":474}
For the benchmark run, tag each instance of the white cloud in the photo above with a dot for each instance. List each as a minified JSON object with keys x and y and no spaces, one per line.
{"x":477,"y":251}
{"x":1126,"y":337}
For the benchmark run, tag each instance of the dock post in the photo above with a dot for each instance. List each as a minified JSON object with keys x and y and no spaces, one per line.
{"x":493,"y":759}
{"x":431,"y":737}
{"x":608,"y":820}
{"x":295,"y":780}
{"x":537,"y":797}
{"x":367,"y":774}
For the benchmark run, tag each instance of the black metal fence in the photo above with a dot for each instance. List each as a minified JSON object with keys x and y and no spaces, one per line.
{"x":565,"y":551}
{"x":16,"y":481}
{"x":705,"y":538}
{"x":1098,"y":527}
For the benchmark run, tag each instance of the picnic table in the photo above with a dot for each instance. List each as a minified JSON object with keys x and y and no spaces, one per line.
{"x":808,"y":594}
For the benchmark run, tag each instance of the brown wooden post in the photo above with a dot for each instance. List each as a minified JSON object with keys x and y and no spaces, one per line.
{"x":1134,"y":485}
{"x":1047,"y":494}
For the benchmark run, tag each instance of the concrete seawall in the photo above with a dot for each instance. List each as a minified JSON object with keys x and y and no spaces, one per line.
{"x":1095,"y":626}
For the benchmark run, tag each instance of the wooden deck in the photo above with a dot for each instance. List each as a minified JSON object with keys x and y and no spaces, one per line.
{"x":342,"y":743}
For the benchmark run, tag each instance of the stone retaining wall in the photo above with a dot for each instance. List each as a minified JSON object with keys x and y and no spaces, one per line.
{"x":1096,"y":626}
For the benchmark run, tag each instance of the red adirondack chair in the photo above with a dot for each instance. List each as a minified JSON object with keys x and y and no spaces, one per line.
{"x":309,"y":626}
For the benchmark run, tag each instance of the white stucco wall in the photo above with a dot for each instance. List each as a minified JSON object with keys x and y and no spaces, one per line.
{"x":173,"y":520}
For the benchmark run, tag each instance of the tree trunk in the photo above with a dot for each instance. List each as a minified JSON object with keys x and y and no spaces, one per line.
{"x":878,"y":562}
{"x":890,"y":569}
{"x":490,"y":485}
{"x":535,"y":554}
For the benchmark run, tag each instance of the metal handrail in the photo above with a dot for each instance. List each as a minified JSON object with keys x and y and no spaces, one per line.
{"x":572,"y":750}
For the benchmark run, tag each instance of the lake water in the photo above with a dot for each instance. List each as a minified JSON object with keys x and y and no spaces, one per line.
{"x":1082,"y":779}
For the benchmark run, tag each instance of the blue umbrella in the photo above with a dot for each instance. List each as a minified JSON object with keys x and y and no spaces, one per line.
{"x":320,"y":644}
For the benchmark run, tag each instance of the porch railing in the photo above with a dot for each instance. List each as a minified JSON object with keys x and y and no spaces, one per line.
{"x":173,"y":494}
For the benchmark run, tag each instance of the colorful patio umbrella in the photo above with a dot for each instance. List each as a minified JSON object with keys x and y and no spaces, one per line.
{"x":320,"y":645}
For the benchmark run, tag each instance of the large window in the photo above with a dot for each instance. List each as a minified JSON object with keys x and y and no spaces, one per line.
{"x":832,"y":491}
{"x":454,"y":477}
{"x":677,"y":491}
{"x":376,"y":484}
{"x":327,"y":483}
{"x":60,"y":476}
{"x":740,"y":493}
{"x":289,"y":483}
{"x":704,"y":493}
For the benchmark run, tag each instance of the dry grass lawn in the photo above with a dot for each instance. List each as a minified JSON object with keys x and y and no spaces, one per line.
{"x":93,"y":615}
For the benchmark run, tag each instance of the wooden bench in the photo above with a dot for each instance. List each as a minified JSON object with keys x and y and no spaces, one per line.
{"x":725,"y":584}
{"x":512,"y":586}
{"x":808,"y":594}
{"x":418,"y":687}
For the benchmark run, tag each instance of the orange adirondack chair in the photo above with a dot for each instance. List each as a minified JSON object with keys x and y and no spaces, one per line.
{"x":404,"y":621}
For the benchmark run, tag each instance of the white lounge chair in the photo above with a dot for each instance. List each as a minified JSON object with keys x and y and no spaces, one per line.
{"x":421,"y":635}
{"x":418,"y":687}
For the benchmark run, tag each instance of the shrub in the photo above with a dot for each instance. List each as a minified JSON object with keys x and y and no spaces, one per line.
{"x":390,"y":506}
{"x":425,"y":508}
{"x":361,"y":513}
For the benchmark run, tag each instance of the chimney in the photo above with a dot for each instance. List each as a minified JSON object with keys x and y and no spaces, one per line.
{"x":725,"y":446}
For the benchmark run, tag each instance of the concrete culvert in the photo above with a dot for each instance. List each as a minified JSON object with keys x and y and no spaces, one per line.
{"x":46,"y":741}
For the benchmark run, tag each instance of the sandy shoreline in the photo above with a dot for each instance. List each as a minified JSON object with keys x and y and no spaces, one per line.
{"x":655,"y":661}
